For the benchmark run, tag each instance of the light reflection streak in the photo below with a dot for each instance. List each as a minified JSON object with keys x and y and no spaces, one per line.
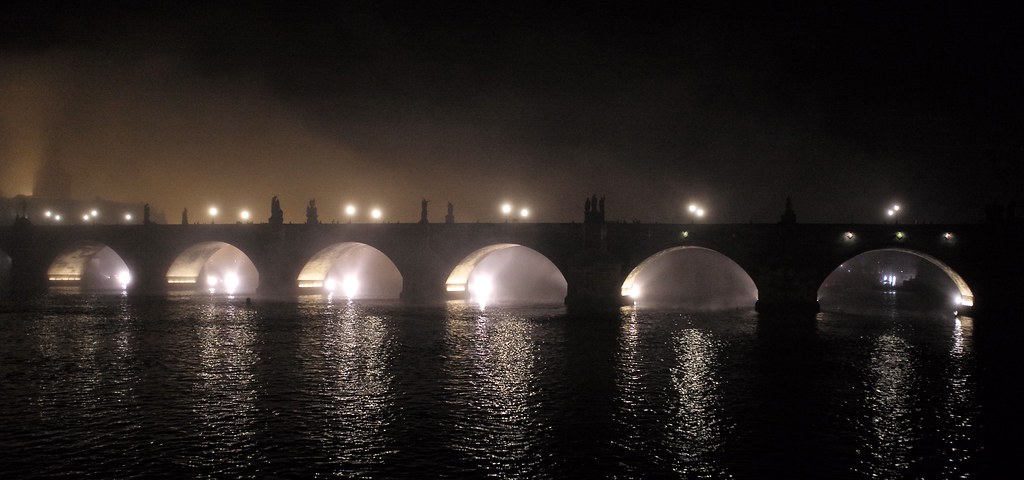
{"x":226,"y":390}
{"x":890,"y":428}
{"x":630,"y":380}
{"x":960,"y":406}
{"x":497,"y":405}
{"x":353,"y":365}
{"x":90,"y":371}
{"x":696,"y":428}
{"x":699,"y":429}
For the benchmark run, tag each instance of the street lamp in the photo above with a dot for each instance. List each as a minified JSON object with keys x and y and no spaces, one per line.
{"x":524,"y":213}
{"x":506,"y":209}
{"x":894,"y":212}
{"x":696,"y":211}
{"x":350,"y":210}
{"x":375,"y":214}
{"x":56,"y":217}
{"x":213,"y":214}
{"x":245,"y":216}
{"x":127,"y":217}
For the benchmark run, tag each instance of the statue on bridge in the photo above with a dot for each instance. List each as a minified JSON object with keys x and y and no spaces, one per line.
{"x":311,"y":217}
{"x":788,"y":216}
{"x":593,"y":210}
{"x":276,"y":214}
{"x":450,"y":218}
{"x":184,"y":217}
{"x":145,"y":215}
{"x":423,"y":211}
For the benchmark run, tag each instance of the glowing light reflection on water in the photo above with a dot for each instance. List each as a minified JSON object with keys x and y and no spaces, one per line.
{"x":199,"y":386}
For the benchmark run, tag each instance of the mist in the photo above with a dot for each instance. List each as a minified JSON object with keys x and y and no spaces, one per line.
{"x":693,"y":279}
{"x":362,"y":272}
{"x":92,"y":268}
{"x":882,"y":282}
{"x":228,"y":271}
{"x":516,"y":275}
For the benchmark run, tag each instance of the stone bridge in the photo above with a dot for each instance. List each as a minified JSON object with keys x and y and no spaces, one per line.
{"x":787,"y":261}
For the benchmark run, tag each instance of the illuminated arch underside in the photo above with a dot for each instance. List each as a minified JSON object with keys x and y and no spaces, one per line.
{"x":627,"y":286}
{"x":316,"y":269}
{"x":187,"y":267}
{"x":70,"y":264}
{"x":966,"y":295}
{"x":459,"y":277}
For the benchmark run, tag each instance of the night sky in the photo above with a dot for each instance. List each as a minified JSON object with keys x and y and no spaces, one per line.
{"x":847,"y":107}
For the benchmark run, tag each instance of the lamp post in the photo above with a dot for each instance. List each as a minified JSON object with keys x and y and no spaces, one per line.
{"x":245,"y":216}
{"x":524,"y":214}
{"x":506,"y":209}
{"x":350,"y":210}
{"x":213,"y":214}
{"x":696,"y":211}
{"x":376,"y":214}
{"x":894,"y":212}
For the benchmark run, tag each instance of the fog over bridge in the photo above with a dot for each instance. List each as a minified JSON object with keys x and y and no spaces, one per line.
{"x":599,"y":260}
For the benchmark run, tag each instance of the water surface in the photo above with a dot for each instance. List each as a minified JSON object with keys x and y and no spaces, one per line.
{"x":117,"y":387}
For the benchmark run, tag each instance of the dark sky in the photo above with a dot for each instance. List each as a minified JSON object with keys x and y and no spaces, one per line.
{"x":847,"y":107}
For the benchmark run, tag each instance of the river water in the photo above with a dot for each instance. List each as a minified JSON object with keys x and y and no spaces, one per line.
{"x":118,"y":387}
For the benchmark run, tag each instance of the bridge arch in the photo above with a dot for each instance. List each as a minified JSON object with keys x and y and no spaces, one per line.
{"x":90,"y":265}
{"x":353,"y":269}
{"x":965,"y":296}
{"x":738,"y":282}
{"x":215,"y":266}
{"x":465,"y":276}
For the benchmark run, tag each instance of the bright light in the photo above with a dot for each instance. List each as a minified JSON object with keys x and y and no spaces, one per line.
{"x":350,"y":210}
{"x":124,"y":278}
{"x":480,"y":289}
{"x":958,"y":300}
{"x":700,"y":212}
{"x":849,"y":236}
{"x":48,"y":214}
{"x":890,"y":212}
{"x":375,"y":214}
{"x":896,"y":208}
{"x":128,"y":217}
{"x":634,"y":292}
{"x":330,"y":284}
{"x":231,"y":282}
{"x":85,"y":217}
{"x":692,"y":208}
{"x":213,"y":211}
{"x":350,"y":286}
{"x":524,"y":213}
{"x":211,"y":280}
{"x":245,"y":215}
{"x":94,"y":213}
{"x":900,"y":235}
{"x":57,"y":217}
{"x":506,"y":209}
{"x":947,"y":236}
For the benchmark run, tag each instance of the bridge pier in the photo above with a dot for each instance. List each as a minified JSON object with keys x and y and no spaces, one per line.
{"x":594,"y":279}
{"x":787,"y":292}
